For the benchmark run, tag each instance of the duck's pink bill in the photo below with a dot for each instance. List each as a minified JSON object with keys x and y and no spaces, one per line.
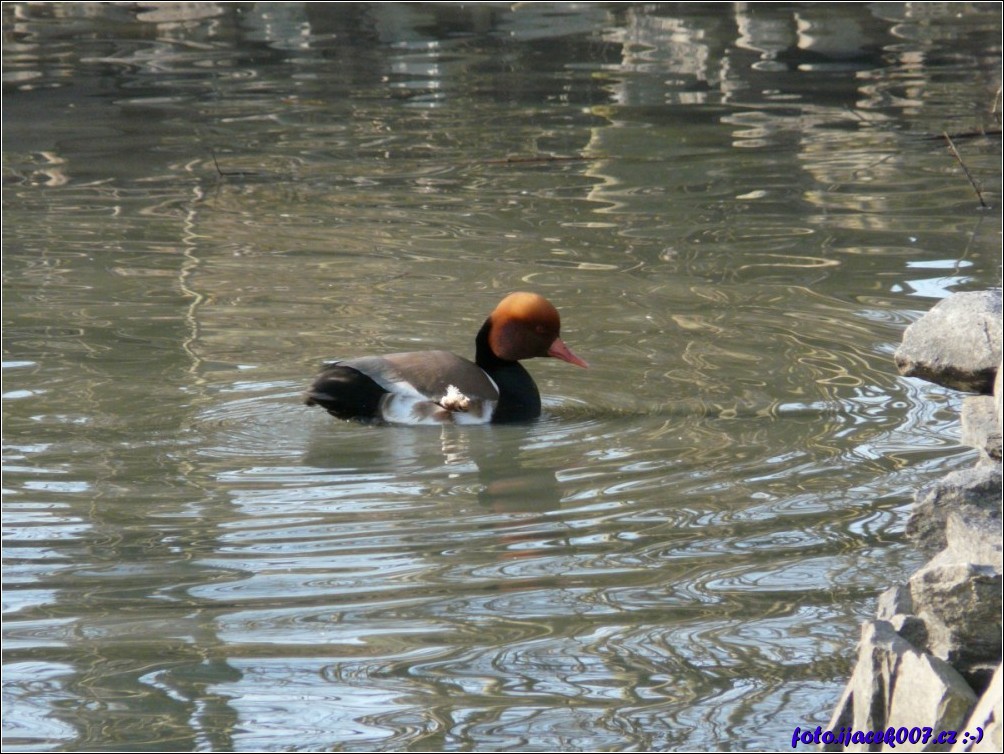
{"x":559,"y":350}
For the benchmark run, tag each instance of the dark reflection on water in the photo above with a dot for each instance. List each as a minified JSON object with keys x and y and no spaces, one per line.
{"x":738,"y":209}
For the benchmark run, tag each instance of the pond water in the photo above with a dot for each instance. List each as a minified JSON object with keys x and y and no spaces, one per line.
{"x":738,"y":208}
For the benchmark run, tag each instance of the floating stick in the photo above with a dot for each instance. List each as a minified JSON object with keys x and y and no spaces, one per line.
{"x":955,"y":153}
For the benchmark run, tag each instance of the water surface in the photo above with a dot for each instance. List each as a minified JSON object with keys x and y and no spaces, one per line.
{"x":737,"y":208}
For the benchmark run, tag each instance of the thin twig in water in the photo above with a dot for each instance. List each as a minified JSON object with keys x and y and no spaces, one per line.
{"x":217,"y":164}
{"x":955,"y":153}
{"x":536,"y":159}
{"x":229,"y":173}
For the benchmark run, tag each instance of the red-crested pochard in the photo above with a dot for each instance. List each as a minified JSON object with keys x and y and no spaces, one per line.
{"x":434,"y":387}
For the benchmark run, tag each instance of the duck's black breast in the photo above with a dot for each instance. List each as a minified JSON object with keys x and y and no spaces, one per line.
{"x":519,"y":399}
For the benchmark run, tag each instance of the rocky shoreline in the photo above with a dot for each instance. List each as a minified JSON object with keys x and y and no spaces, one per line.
{"x":931,"y":660}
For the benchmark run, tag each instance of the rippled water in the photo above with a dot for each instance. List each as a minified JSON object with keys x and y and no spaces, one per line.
{"x":738,"y":210}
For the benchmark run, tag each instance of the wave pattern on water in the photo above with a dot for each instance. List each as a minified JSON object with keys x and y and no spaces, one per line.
{"x":736,"y":226}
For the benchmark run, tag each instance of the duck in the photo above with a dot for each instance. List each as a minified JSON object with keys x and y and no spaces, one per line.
{"x":439,"y":387}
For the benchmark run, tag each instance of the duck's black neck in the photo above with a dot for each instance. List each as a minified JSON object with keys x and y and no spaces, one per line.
{"x":519,"y":399}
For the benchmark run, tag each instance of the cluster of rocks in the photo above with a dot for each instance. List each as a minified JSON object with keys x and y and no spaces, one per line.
{"x":931,"y":662}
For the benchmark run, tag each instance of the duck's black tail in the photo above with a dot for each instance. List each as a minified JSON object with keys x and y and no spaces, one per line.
{"x":346,"y":393}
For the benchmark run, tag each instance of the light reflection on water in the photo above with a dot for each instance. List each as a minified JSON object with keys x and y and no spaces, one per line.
{"x":676,"y":555}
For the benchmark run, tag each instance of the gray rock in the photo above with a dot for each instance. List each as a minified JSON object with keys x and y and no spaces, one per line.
{"x":980,"y":429}
{"x":960,"y":605}
{"x":974,"y":536}
{"x":894,"y":601}
{"x":957,"y":344}
{"x":979,"y":487}
{"x":895,"y":605}
{"x":893,"y":685}
{"x":988,"y":715}
{"x":925,"y":688}
{"x":911,"y":628}
{"x":951,"y":607}
{"x":999,"y":396}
